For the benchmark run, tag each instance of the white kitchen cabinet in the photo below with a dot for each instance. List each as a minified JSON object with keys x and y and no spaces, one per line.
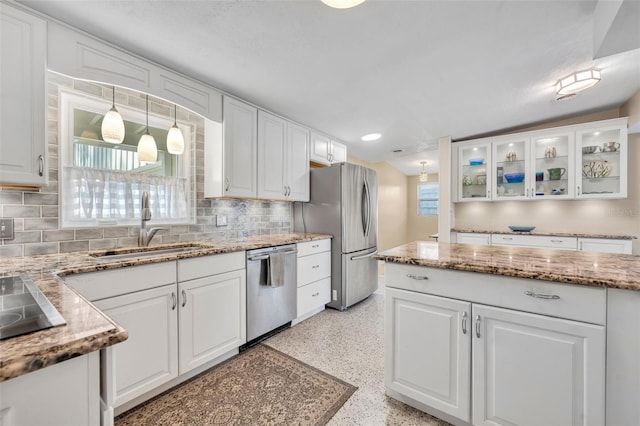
{"x":240,"y":149}
{"x":283,"y":159}
{"x":212,"y":317}
{"x":477,"y":238}
{"x":511,"y":166}
{"x":474,"y":172}
{"x":313,"y":277}
{"x":537,"y":356}
{"x":325,"y":151}
{"x":534,"y":370}
{"x":23,"y":111}
{"x":66,"y":393}
{"x":428,"y":350}
{"x":605,"y":245}
{"x":149,"y":357}
{"x":337,"y":152}
{"x":553,"y":170}
{"x":537,"y":241}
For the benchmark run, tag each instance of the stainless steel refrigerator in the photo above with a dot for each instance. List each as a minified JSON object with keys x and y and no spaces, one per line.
{"x":344,"y":204}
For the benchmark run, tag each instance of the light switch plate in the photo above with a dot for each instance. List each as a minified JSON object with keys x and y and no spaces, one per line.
{"x":221,"y":220}
{"x":6,"y":229}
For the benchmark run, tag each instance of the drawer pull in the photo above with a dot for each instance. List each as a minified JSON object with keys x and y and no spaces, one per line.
{"x":507,"y":238}
{"x":464,"y":322}
{"x":478,"y":326}
{"x":542,"y":296}
{"x":315,"y":294}
{"x":556,"y":241}
{"x":315,"y":266}
{"x":315,"y":246}
{"x":40,"y":165}
{"x":417,"y":277}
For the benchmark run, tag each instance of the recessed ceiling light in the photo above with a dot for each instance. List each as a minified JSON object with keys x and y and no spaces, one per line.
{"x":596,"y":133}
{"x":342,"y":4}
{"x":577,"y":82}
{"x":371,"y":137}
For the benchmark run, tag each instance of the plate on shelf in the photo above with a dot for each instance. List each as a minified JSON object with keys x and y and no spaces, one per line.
{"x":521,"y":228}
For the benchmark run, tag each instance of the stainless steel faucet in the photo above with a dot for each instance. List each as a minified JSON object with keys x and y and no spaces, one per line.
{"x":144,"y":237}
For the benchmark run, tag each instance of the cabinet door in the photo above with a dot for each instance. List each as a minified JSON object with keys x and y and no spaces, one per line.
{"x":240,"y":149}
{"x":534,"y":370}
{"x":149,"y":357}
{"x":553,"y":160}
{"x":474,"y":172}
{"x":605,"y":245}
{"x":320,"y":146}
{"x":601,"y":167}
{"x":338,"y":153}
{"x":23,"y":102}
{"x":212,"y":317}
{"x":511,"y":167}
{"x":272,"y":155}
{"x":428,"y":350}
{"x":297,"y":170}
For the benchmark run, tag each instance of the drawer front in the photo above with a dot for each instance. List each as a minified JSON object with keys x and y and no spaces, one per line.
{"x":473,"y":238}
{"x":576,"y":302}
{"x":313,"y":247}
{"x":542,"y":241}
{"x":314,"y":295}
{"x":199,"y":267}
{"x":313,"y":268}
{"x":605,"y":245}
{"x":115,"y":282}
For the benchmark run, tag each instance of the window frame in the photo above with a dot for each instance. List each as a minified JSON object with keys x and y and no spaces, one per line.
{"x":419,"y":200}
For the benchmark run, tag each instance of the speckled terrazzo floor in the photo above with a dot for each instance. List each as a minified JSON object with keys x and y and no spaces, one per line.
{"x":350,"y":346}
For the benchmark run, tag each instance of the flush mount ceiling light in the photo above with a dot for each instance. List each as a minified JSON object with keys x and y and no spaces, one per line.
{"x":175,"y":140}
{"x":577,"y":82}
{"x":112,"y":124}
{"x":342,"y":4}
{"x":147,"y":150}
{"x":424,"y":177}
{"x":371,"y":137}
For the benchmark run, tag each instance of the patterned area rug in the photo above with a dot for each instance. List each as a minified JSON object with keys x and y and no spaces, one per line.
{"x":261,"y":386}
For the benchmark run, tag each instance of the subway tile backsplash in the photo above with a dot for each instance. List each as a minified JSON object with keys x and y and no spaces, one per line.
{"x":36,"y":213}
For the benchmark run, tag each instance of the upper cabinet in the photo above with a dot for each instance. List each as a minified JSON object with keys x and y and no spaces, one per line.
{"x":23,"y":101}
{"x":325,"y":151}
{"x":239,"y":149}
{"x":580,"y":161}
{"x":283,"y":159}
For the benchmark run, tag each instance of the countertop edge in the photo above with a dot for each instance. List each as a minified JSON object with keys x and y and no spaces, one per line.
{"x":547,"y":234}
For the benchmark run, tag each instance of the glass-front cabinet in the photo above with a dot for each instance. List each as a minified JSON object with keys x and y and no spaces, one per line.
{"x":553,"y":165}
{"x":602,"y":162}
{"x":474,"y":172}
{"x":511,"y":166}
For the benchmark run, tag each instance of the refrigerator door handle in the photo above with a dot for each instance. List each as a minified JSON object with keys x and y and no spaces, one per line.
{"x":366,"y":196}
{"x":364,"y":256}
{"x":369,"y":216}
{"x":364,"y":212}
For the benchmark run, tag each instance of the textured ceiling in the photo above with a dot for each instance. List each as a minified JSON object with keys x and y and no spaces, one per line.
{"x":411,"y":70}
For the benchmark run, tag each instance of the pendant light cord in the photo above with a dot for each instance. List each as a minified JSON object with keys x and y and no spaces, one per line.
{"x":147,"y":131}
{"x":175,"y":114}
{"x":114,"y":96}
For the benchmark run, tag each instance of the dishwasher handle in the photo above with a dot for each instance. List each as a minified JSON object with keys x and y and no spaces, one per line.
{"x":266,"y":256}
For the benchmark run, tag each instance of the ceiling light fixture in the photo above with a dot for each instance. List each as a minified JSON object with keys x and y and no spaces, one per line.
{"x":112,"y":124}
{"x":577,"y":82}
{"x":147,"y":150}
{"x":342,"y":4}
{"x":424,"y":177}
{"x":175,"y":140}
{"x":371,"y":137}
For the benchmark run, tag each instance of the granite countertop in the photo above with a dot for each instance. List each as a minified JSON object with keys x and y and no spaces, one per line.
{"x":564,"y":266}
{"x":551,"y":234}
{"x":88,"y":329}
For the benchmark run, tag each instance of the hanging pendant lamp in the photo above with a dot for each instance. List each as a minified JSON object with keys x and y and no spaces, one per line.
{"x":424,"y":177}
{"x":175,"y":140}
{"x":147,"y":150}
{"x":112,"y":124}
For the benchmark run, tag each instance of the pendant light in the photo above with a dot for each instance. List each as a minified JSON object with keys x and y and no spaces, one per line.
{"x":424,"y":177}
{"x":175,"y":140}
{"x":147,"y":150}
{"x":112,"y":124}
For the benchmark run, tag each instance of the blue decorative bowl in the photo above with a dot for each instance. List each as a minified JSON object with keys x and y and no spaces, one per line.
{"x":476,"y":161}
{"x":521,"y":228}
{"x":514,"y":177}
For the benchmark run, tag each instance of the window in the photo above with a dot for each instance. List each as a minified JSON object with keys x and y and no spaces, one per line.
{"x":428,"y":199}
{"x":102,"y":183}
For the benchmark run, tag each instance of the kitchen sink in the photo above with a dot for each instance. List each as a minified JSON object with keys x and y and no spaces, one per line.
{"x":144,"y":252}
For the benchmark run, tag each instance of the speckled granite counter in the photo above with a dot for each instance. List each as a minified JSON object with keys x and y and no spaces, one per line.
{"x":550,"y":234}
{"x":564,"y":266}
{"x":87,"y":328}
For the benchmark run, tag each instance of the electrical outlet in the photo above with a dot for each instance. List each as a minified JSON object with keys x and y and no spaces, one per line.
{"x":6,"y":229}
{"x":335,"y":295}
{"x":221,"y":220}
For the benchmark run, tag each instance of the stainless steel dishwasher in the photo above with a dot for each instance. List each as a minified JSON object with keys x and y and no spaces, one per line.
{"x":270,"y":307}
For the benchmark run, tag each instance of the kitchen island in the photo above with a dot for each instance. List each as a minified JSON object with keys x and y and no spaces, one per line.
{"x":508,"y":335}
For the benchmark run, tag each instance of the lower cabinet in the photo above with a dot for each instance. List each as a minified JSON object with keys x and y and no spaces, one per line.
{"x":471,"y":363}
{"x":605,"y":245}
{"x":473,"y":238}
{"x":314,"y":277}
{"x":67,"y":393}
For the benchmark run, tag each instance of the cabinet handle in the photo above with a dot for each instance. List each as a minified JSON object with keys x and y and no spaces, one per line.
{"x":556,"y":241}
{"x":581,"y":246}
{"x":578,"y":189}
{"x":226,"y":184}
{"x":488,"y":193}
{"x":417,"y":277}
{"x":315,"y":294}
{"x":527,"y":192}
{"x":507,"y":238}
{"x":40,"y":165}
{"x":542,"y":296}
{"x":315,"y":246}
{"x":288,"y":190}
{"x":478,"y":326}
{"x":175,"y":301}
{"x":315,"y":266}
{"x":464,"y":322}
{"x":184,"y":298}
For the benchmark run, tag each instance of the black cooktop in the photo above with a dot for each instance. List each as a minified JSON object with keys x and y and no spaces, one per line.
{"x":24,"y":308}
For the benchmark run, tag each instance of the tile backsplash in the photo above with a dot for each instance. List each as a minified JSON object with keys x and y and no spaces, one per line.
{"x":36,"y":212}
